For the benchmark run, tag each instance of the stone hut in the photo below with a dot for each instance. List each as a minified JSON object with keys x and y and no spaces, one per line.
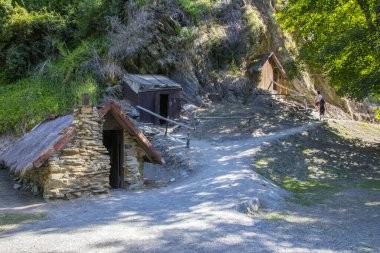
{"x":156,"y":93}
{"x":266,"y":72}
{"x":83,"y":153}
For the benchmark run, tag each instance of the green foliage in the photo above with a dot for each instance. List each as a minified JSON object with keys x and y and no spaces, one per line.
{"x":188,"y":33}
{"x":340,"y":38}
{"x":75,"y":62}
{"x":26,"y":40}
{"x":56,"y":89}
{"x":292,"y":69}
{"x":30,"y":31}
{"x":48,"y":52}
{"x":6,"y":8}
{"x":90,"y":16}
{"x":58,"y":6}
{"x":142,"y":2}
{"x":30,"y":100}
{"x":377,"y":114}
{"x":255,"y":23}
{"x":234,"y":68}
{"x":197,"y":8}
{"x":25,"y":104}
{"x":294,"y":185}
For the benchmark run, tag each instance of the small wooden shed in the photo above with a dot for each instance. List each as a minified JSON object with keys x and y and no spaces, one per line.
{"x":156,"y":93}
{"x":267,"y":73}
{"x":83,"y":153}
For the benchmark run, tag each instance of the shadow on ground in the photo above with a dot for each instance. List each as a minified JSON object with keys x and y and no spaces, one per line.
{"x":200,"y":215}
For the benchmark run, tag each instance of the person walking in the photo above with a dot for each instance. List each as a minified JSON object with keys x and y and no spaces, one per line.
{"x":322,"y":108}
{"x":318,"y":99}
{"x":320,"y":105}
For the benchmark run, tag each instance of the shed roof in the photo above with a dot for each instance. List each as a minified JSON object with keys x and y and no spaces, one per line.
{"x":140,"y":83}
{"x":50,"y":136}
{"x":259,"y":62}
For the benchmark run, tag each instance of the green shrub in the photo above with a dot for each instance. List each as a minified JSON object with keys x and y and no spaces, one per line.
{"x":196,"y":8}
{"x":58,"y":6}
{"x":30,"y":31}
{"x":255,"y":23}
{"x":73,"y":63}
{"x":377,"y":111}
{"x":91,"y":16}
{"x":292,"y":69}
{"x":142,"y":2}
{"x":30,"y":100}
{"x":24,"y":104}
{"x":26,"y":40}
{"x":6,"y":9}
{"x":56,"y":89}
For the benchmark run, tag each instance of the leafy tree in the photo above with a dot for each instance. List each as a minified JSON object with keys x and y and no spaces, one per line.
{"x":340,"y":38}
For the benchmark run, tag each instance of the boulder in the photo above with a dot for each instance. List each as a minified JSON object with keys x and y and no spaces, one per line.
{"x":249,"y":206}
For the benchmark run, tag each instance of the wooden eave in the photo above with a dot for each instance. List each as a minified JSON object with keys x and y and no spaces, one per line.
{"x":151,"y":153}
{"x":279,"y":66}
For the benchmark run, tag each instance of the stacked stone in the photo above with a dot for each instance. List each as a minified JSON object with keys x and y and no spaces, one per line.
{"x":31,"y":180}
{"x":133,"y":164}
{"x":83,"y":166}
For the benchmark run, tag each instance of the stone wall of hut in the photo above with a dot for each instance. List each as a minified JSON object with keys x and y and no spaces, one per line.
{"x":83,"y":166}
{"x":32,"y":180}
{"x":133,"y":164}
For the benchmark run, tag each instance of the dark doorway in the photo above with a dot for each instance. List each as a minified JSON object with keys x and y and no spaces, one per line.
{"x":113,"y":141}
{"x":164,"y":106}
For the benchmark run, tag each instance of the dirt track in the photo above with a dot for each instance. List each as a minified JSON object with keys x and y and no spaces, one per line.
{"x":199,"y":214}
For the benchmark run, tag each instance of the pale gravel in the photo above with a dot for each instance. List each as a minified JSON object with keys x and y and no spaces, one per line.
{"x":196,"y":215}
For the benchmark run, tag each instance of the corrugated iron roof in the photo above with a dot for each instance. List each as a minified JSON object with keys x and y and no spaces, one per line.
{"x":139,"y":83}
{"x":50,"y":136}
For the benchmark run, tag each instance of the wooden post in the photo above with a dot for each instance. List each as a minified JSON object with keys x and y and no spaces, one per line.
{"x":171,"y":121}
{"x":188,"y":139}
{"x":166,"y":128}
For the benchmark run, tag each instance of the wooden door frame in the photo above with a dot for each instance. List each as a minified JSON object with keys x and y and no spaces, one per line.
{"x":120,"y":137}
{"x":158,"y":104}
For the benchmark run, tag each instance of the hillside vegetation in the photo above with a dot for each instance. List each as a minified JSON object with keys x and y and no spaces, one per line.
{"x":48,"y":57}
{"x":51,"y":52}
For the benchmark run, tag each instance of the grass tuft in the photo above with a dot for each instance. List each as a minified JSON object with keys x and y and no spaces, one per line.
{"x":13,"y":220}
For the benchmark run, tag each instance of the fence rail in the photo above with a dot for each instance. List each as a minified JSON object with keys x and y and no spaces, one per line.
{"x":171,"y":121}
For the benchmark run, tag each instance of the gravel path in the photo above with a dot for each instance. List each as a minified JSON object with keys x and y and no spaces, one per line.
{"x":195,"y":215}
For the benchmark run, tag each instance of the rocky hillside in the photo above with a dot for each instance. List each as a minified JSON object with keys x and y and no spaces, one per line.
{"x":206,"y":45}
